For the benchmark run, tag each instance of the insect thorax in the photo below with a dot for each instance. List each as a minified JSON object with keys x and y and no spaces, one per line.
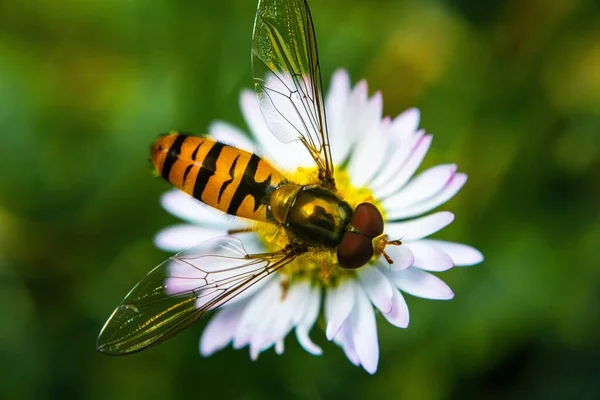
{"x":315,"y":215}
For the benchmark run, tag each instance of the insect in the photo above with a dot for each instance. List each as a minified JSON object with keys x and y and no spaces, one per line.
{"x":314,"y":216}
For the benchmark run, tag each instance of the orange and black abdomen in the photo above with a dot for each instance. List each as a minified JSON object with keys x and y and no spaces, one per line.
{"x":227,"y":178}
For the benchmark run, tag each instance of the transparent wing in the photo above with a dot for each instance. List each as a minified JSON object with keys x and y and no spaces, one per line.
{"x":288,"y":78}
{"x":181,"y":289}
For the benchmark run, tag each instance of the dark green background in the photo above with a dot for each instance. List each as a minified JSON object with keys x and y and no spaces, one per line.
{"x":511,"y":90}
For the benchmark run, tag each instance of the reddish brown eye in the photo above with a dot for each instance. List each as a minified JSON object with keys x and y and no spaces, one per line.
{"x":368,"y":220}
{"x":354,"y":251}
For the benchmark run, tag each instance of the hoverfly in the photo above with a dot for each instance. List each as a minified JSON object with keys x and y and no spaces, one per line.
{"x":314,"y":216}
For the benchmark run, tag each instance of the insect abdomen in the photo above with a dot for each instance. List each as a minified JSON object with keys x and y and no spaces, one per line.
{"x":224,"y":177}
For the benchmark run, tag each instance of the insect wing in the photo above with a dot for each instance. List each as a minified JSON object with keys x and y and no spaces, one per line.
{"x":181,"y":289}
{"x":287,"y":78}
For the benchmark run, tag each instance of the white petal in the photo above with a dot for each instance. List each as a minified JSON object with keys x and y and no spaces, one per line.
{"x":406,"y":123}
{"x":345,"y":340}
{"x":357,"y":103}
{"x":418,"y":228}
{"x":399,"y":150}
{"x":277,"y":321}
{"x":422,"y":284}
{"x":219,"y":331}
{"x":402,"y":257}
{"x":425,"y":185}
{"x":180,"y":237}
{"x":377,"y":286}
{"x":413,"y":161}
{"x":335,"y":104}
{"x":279,"y":347}
{"x":355,"y":121}
{"x":364,"y":332}
{"x":287,"y":155}
{"x":288,"y":312}
{"x":461,"y":254}
{"x":339,"y":301}
{"x":257,"y":311}
{"x":406,"y":171}
{"x":428,"y":257}
{"x":338,"y":304}
{"x":281,"y":317}
{"x":368,"y":155}
{"x":261,"y":336}
{"x":372,"y":157}
{"x":191,"y":210}
{"x":443,"y":196}
{"x":304,"y":296}
{"x":226,"y":133}
{"x":337,"y":96}
{"x":399,"y":315}
{"x":307,"y":322}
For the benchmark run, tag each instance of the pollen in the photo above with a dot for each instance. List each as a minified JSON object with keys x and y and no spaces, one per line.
{"x":320,"y":264}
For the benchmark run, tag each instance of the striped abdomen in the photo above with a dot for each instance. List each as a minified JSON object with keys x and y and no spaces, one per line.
{"x":224,"y":177}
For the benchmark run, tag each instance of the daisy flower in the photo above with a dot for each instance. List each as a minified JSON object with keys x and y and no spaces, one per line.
{"x":376,"y":159}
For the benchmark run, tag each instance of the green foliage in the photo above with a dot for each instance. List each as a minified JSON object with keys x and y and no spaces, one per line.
{"x":511,"y":91}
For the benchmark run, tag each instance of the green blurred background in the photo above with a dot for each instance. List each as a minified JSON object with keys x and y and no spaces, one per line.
{"x":511,"y":90}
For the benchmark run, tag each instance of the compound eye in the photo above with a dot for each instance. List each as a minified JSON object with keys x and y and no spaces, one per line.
{"x":368,"y":220}
{"x":355,"y":250}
